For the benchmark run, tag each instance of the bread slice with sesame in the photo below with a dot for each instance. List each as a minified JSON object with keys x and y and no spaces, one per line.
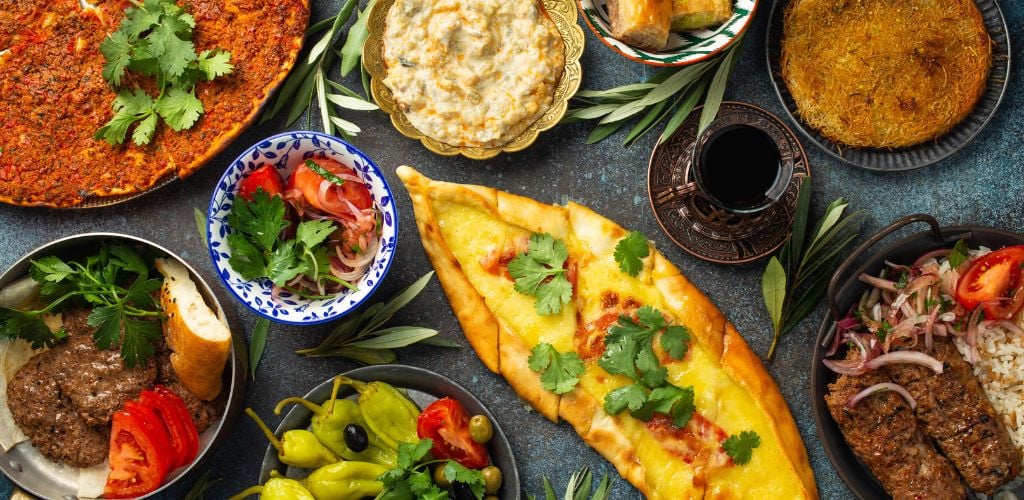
{"x":200,"y":341}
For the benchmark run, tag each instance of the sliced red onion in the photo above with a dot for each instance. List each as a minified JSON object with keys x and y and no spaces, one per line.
{"x":908,"y":310}
{"x":360,"y":260}
{"x":929,"y":326}
{"x":941,"y":331}
{"x":350,"y":177}
{"x":972,"y":335}
{"x":848,"y":323}
{"x":934,"y":254}
{"x":947,"y":317}
{"x":1012,"y":327}
{"x":883,"y":387}
{"x":921,"y":282}
{"x":337,"y":206}
{"x":877,"y":282}
{"x":899,"y":301}
{"x":911,"y":357}
{"x":853,"y":367}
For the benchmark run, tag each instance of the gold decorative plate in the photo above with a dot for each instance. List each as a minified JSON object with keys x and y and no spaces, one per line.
{"x":561,"y":12}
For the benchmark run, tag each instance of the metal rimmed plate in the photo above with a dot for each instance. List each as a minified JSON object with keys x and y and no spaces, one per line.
{"x":423,"y":387}
{"x":26,"y":467}
{"x":920,"y":155}
{"x":843,"y":292}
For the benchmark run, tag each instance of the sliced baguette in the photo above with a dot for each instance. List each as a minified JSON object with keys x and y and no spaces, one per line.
{"x":199,"y":340}
{"x":690,"y":15}
{"x":641,"y":23}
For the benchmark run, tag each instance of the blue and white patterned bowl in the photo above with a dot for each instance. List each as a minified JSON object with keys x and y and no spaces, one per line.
{"x":287,"y":151}
{"x":683,"y":48}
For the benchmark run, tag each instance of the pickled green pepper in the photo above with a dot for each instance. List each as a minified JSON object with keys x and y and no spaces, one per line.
{"x":387,"y":412}
{"x":277,"y":488}
{"x":329,"y":422}
{"x":297,"y":447}
{"x":346,"y":481}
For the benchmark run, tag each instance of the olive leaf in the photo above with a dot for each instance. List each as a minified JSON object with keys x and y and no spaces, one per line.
{"x":578,"y":487}
{"x":671,"y":93}
{"x":795,"y":280}
{"x":257,"y":343}
{"x":309,"y":80}
{"x":361,"y":338}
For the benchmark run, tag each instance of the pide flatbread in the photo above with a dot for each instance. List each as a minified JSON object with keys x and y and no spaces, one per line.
{"x":54,"y":96}
{"x":470,"y":232}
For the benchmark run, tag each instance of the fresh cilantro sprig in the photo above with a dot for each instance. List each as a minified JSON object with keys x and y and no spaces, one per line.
{"x":959,"y":254}
{"x":412,"y":478}
{"x":155,"y":40}
{"x":741,"y":446}
{"x":115,"y":282}
{"x":629,"y":351}
{"x":630,"y":252}
{"x":540,"y":272}
{"x":559,"y":371}
{"x":257,"y":251}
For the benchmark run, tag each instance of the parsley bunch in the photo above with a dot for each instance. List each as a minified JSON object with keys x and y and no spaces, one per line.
{"x":155,"y":39}
{"x":257,"y":251}
{"x":540,"y":272}
{"x":115,"y":281}
{"x":412,"y":478}
{"x":629,"y":351}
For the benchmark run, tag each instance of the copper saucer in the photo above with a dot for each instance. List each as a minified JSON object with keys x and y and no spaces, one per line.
{"x":696,"y":224}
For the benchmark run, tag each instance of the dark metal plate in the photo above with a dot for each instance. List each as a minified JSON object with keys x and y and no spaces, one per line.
{"x":911,"y":157}
{"x":854,"y":473}
{"x":423,"y":387}
{"x":696,"y":224}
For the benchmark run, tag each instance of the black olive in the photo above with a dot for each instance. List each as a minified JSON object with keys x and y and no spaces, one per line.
{"x":462,"y":492}
{"x":356,"y":438}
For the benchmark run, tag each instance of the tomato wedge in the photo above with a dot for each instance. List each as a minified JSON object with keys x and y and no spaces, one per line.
{"x":184,"y":437}
{"x":140,"y":452}
{"x":994,"y":282}
{"x":446,"y":422}
{"x":265,"y":177}
{"x":308,"y":183}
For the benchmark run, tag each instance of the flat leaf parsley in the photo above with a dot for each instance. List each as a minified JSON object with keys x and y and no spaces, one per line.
{"x":540,"y":272}
{"x":559,"y":372}
{"x":630,"y":252}
{"x":155,"y":39}
{"x":741,"y":446}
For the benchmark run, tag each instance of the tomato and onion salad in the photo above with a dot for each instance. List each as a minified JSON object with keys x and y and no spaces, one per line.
{"x":908,"y":304}
{"x":322,"y":188}
{"x":149,"y":438}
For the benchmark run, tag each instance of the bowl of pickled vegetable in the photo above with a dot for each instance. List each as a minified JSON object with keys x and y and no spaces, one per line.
{"x":387,"y":431}
{"x":302,"y":228}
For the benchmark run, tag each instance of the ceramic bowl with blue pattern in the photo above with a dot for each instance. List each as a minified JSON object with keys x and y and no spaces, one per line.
{"x":684,"y":47}
{"x":286,"y":152}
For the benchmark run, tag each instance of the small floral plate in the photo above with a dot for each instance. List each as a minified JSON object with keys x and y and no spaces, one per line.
{"x":286,"y":152}
{"x":686,"y":47}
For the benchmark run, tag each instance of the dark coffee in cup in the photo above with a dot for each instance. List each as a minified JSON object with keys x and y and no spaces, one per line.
{"x":739,"y":168}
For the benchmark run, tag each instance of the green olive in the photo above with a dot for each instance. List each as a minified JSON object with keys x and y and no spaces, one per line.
{"x":480,"y":429}
{"x":492,"y":479}
{"x":439,"y":477}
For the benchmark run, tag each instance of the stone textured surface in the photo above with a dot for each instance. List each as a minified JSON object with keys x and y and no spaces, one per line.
{"x":981,"y":184}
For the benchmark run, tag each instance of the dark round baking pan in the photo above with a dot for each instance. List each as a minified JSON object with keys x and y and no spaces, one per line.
{"x":423,"y":387}
{"x":923,"y":154}
{"x":843,"y":291}
{"x":24,"y":465}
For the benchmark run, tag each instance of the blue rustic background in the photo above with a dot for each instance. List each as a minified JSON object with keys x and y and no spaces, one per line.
{"x":982,"y":184}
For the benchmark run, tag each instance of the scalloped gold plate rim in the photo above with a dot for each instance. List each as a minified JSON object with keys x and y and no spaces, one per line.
{"x":562,"y":12}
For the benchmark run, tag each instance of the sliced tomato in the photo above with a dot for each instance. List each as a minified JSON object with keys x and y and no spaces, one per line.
{"x":140,"y":452}
{"x":266,"y":178}
{"x":446,"y":423}
{"x":994,"y":281}
{"x":308,"y":183}
{"x":176,"y":419}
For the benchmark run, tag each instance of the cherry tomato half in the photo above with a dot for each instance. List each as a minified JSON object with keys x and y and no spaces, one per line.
{"x":446,"y":422}
{"x":994,"y":280}
{"x":140,"y":452}
{"x":308,"y":183}
{"x":265,"y":177}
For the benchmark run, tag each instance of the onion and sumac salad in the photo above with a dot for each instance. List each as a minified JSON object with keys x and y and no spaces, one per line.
{"x":314,"y":235}
{"x":956,"y":292}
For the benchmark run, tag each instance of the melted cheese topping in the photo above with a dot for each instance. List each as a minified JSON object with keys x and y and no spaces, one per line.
{"x":472,"y":72}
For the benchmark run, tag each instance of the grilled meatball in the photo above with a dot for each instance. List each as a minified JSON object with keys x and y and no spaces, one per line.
{"x":953,"y":409}
{"x":883,"y":433}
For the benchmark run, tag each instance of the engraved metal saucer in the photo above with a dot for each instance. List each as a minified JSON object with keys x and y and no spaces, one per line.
{"x":699,"y":226}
